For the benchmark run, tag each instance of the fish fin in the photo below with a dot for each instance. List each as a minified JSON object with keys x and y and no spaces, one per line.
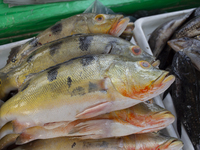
{"x":95,"y":110}
{"x":29,"y":135}
{"x":8,"y":140}
{"x":18,"y":127}
{"x":53,"y":125}
{"x":90,"y":128}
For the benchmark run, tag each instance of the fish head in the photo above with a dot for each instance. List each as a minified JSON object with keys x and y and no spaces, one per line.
{"x":133,"y":52}
{"x":107,"y":23}
{"x":148,"y":116}
{"x":148,"y":141}
{"x":180,"y":44}
{"x":139,"y":80}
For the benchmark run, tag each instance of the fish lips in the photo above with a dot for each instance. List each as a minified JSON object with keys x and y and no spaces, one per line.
{"x":158,"y":121}
{"x":118,"y":28}
{"x":172,"y":144}
{"x":161,"y":84}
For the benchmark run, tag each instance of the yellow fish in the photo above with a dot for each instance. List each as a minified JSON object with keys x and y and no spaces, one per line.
{"x":147,"y":141}
{"x":65,"y":49}
{"x":82,"y":88}
{"x":82,"y":23}
{"x":141,"y":118}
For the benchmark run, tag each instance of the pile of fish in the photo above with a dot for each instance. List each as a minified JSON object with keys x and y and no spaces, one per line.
{"x":77,"y":85}
{"x":182,"y":35}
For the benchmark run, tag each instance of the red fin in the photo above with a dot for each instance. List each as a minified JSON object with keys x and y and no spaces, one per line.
{"x":95,"y":110}
{"x":91,"y":128}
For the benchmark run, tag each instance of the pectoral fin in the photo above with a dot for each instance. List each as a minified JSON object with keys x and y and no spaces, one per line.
{"x":95,"y":110}
{"x":92,"y":129}
{"x":53,"y":125}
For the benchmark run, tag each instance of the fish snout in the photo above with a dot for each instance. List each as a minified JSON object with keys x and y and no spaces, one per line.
{"x":172,"y":144}
{"x":118,"y":28}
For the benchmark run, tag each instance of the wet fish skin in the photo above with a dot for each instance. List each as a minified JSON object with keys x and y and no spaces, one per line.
{"x":65,"y":49}
{"x":8,"y":140}
{"x":141,"y":118}
{"x":189,"y":29}
{"x":162,"y":34}
{"x":94,"y":81}
{"x":81,"y":23}
{"x":190,"y":46}
{"x":185,"y":95}
{"x":6,"y":129}
{"x":137,"y":142}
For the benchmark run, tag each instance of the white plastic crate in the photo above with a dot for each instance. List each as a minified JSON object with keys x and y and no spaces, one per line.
{"x":143,"y":29}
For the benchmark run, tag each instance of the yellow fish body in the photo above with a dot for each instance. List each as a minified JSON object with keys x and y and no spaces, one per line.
{"x":82,"y":23}
{"x":65,"y":49}
{"x":148,"y":141}
{"x":141,"y":118}
{"x":83,"y":88}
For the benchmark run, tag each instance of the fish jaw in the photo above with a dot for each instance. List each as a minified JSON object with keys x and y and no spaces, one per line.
{"x":156,"y":88}
{"x":171,"y":144}
{"x":158,"y":121}
{"x":161,"y":84}
{"x":180,"y":44}
{"x":118,"y":28}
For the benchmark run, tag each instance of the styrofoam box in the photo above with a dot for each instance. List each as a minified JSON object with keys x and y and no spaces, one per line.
{"x":143,"y":29}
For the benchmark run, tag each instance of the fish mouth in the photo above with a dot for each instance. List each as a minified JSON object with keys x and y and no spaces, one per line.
{"x":161,"y":84}
{"x":119,"y":27}
{"x":164,"y":116}
{"x":172,"y":144}
{"x":164,"y":79}
{"x":159,"y":121}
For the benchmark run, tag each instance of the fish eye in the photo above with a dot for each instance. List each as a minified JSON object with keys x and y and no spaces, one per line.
{"x":144,"y":64}
{"x":99,"y":18}
{"x":136,"y":50}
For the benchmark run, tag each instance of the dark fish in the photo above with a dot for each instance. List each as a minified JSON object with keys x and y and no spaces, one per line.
{"x":189,"y":29}
{"x":161,"y":35}
{"x":185,"y":95}
{"x":190,"y":46}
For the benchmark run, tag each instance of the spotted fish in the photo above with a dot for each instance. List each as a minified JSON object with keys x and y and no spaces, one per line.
{"x":148,"y":141}
{"x":67,"y":48}
{"x":82,"y":23}
{"x":83,"y":88}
